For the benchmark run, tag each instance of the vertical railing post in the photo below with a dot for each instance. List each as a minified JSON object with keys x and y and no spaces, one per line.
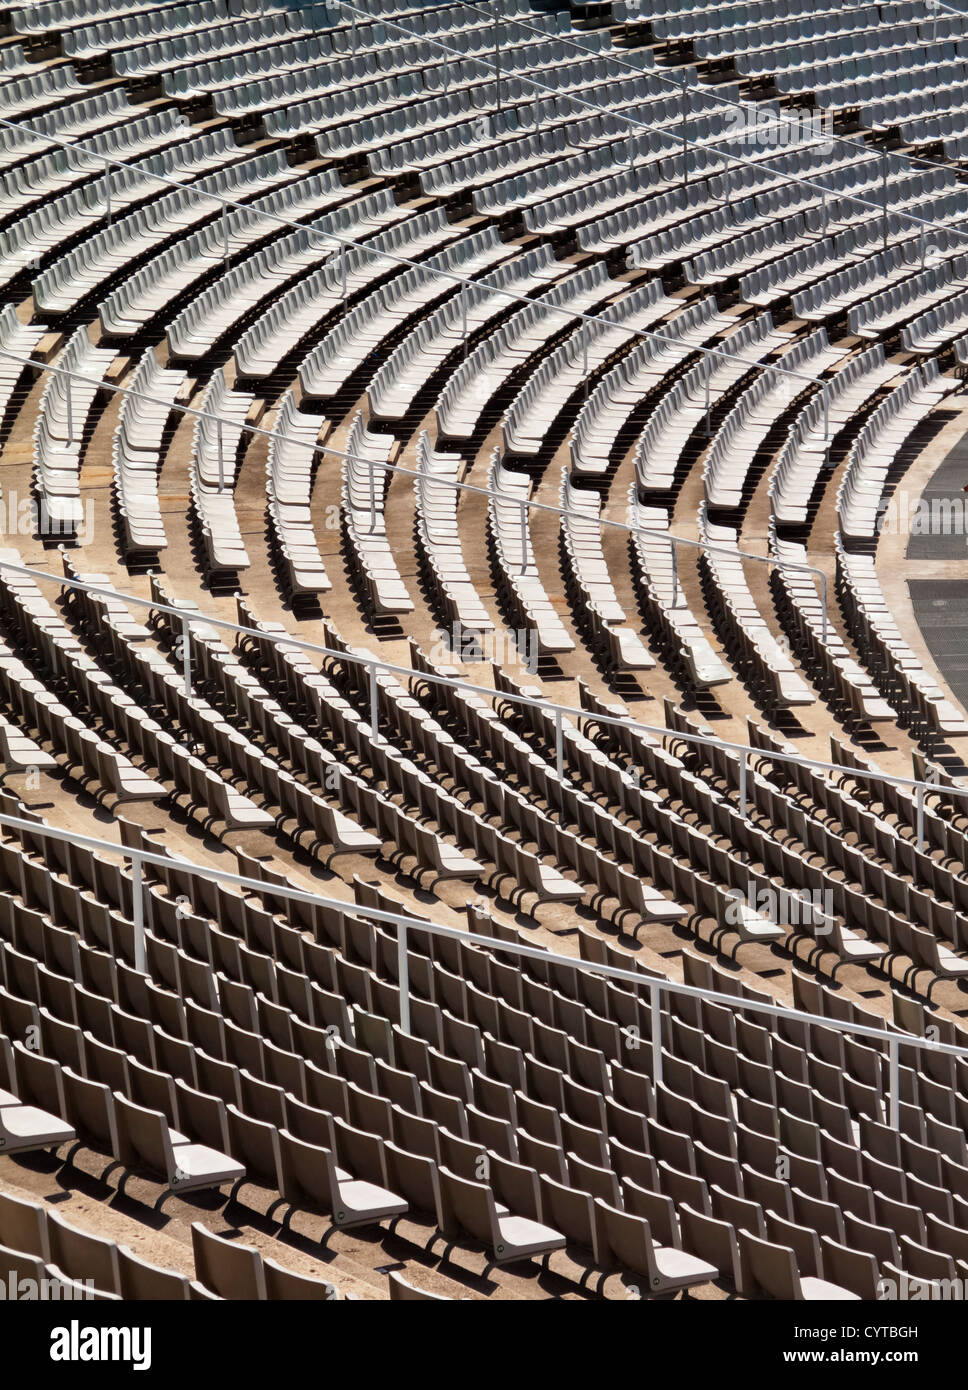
{"x":655,"y":1017}
{"x":497,"y":58}
{"x":708,"y":375}
{"x":824,"y":620}
{"x":186,"y":657}
{"x":743,"y":762}
{"x":138,"y":915}
{"x":403,"y":978}
{"x":685,"y":135}
{"x":374,"y":704}
{"x":921,"y":817}
{"x":895,"y":1084}
{"x":372,"y":463}
{"x":70,"y":410}
{"x":559,"y":744}
{"x":221,"y":455}
{"x":524,"y":537}
{"x":884,"y":198}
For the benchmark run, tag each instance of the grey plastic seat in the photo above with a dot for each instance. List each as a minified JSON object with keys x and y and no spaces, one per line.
{"x":21,"y":1265}
{"x":286,"y":1285}
{"x":774,"y":1268}
{"x":24,"y":1127}
{"x":83,"y":1256}
{"x":852,"y":1269}
{"x":310,"y":1177}
{"x":23,"y":1226}
{"x":714,"y":1241}
{"x":401,"y":1291}
{"x":469,"y":1208}
{"x":142,"y":1280}
{"x":227,"y":1267}
{"x":626,"y":1241}
{"x":147,"y":1139}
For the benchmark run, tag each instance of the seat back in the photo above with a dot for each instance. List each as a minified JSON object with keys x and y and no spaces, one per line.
{"x":466,"y":1207}
{"x":227,"y":1267}
{"x":143,"y":1136}
{"x":83,"y":1257}
{"x":403,"y":1292}
{"x":141,"y":1280}
{"x":23,"y":1226}
{"x":772,"y":1267}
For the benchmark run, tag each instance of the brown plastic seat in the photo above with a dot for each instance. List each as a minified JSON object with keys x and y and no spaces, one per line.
{"x":590,"y":1177}
{"x":800,"y":1239}
{"x":740,"y":1212}
{"x":516,"y":1188}
{"x":547,"y":1158}
{"x":951,"y":1240}
{"x":23,"y":1226}
{"x":309,"y":1177}
{"x":626,"y":1242}
{"x":713,"y":1241}
{"x":285,"y":1285}
{"x":879,"y":1241}
{"x":855,"y":1270}
{"x":462,"y":1156}
{"x":414,"y":1178}
{"x":255,"y":1145}
{"x":851,"y":1196}
{"x":825,"y":1218}
{"x":22,"y":1266}
{"x":90,"y":1109}
{"x":571,"y":1212}
{"x":629,"y":1163}
{"x":401,"y":1291}
{"x":683,"y":1187}
{"x":542,"y":1121}
{"x":61,"y":1286}
{"x":227,"y":1267}
{"x":416,"y":1134}
{"x":918,"y":1260}
{"x":771,"y":1193}
{"x":469,"y":1208}
{"x":83,"y":1256}
{"x":143,"y":1281}
{"x":902,"y":1217}
{"x":658,"y":1209}
{"x":146,"y":1139}
{"x":774,"y":1269}
{"x":23,"y":1125}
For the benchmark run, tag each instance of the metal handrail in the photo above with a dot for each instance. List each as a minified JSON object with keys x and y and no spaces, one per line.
{"x":710,"y":92}
{"x":341,"y":240}
{"x":405,"y":922}
{"x":458,"y":485}
{"x":374,"y":665}
{"x":644,"y":125}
